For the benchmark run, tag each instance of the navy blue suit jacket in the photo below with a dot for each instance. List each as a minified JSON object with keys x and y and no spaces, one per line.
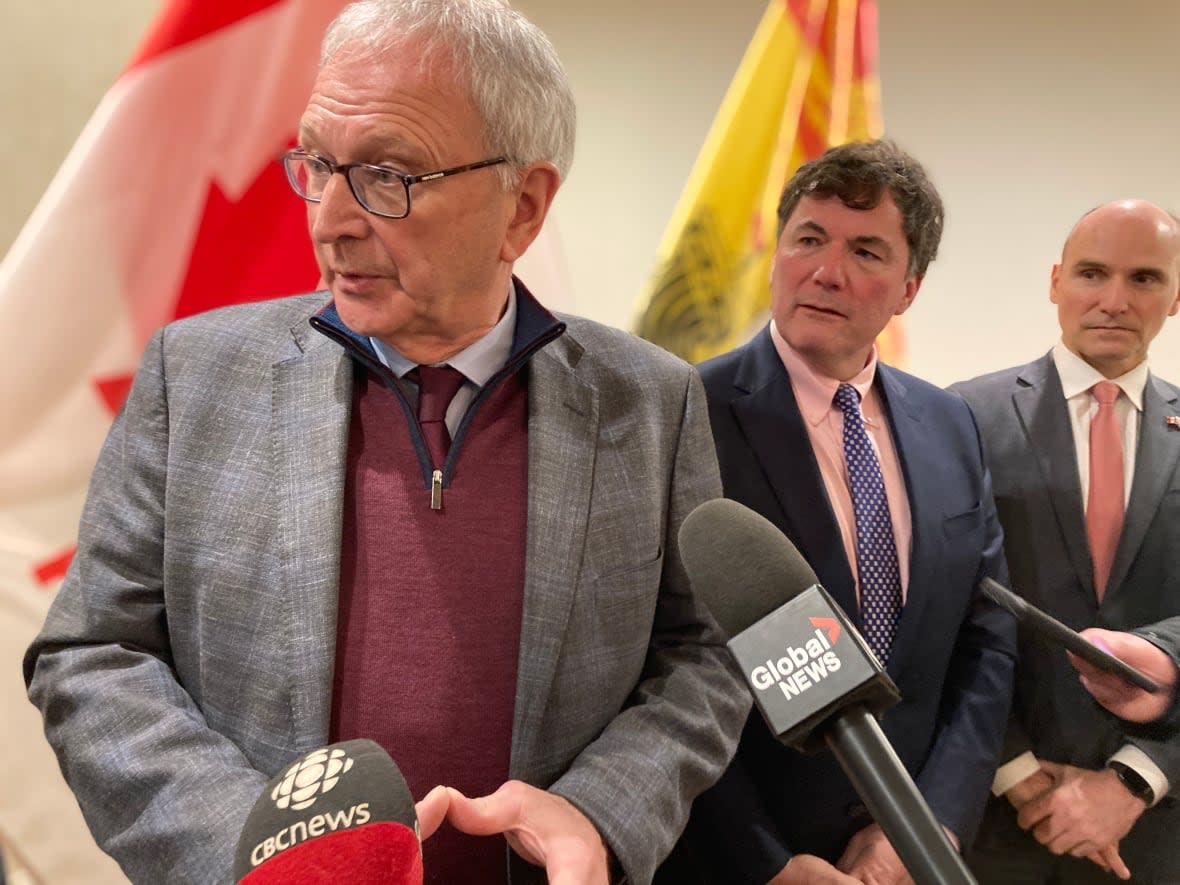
{"x":954,"y":652}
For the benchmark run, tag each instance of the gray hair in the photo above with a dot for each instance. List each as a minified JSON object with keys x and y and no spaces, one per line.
{"x":860,"y":174}
{"x":509,"y":68}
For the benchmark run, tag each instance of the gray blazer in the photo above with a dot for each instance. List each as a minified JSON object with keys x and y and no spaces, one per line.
{"x":1166,"y":635}
{"x":189,"y":653}
{"x":1029,"y":448}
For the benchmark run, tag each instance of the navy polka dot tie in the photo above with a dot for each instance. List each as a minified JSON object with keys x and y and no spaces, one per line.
{"x":876,"y":551}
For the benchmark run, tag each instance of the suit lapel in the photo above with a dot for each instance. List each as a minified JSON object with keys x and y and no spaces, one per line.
{"x":312,"y":398}
{"x":1155,"y":462}
{"x":926,"y":519}
{"x":769,"y":418}
{"x":1039,"y":401}
{"x":563,"y":434}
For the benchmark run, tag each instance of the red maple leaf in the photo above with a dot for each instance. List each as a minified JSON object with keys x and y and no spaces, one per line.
{"x":113,"y":390}
{"x":52,"y":569}
{"x":249,"y":250}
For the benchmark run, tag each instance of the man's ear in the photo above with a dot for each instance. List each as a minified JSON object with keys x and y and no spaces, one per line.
{"x":912,"y":285}
{"x":1053,"y":277}
{"x":534,"y":195}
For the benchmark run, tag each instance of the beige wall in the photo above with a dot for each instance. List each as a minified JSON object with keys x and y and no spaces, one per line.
{"x":57,"y":58}
{"x":1026,"y":114}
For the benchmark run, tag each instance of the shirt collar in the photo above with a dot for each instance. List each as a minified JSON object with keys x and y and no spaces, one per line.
{"x":813,"y":391}
{"x":1078,"y":376}
{"x":478,"y":362}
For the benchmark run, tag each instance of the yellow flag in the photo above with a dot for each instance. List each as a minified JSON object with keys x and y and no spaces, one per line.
{"x":808,"y":81}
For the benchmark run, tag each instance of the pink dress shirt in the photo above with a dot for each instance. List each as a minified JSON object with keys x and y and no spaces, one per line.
{"x":825,"y":427}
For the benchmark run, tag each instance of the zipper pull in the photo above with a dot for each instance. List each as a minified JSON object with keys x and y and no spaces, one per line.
{"x":436,"y":491}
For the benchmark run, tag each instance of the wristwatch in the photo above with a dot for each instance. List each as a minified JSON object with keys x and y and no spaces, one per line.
{"x":1135,"y":783}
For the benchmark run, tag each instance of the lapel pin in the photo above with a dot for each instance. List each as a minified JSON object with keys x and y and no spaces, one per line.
{"x":1172,"y":422}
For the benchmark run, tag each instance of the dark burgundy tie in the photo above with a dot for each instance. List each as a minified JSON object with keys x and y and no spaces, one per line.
{"x":437,"y":386}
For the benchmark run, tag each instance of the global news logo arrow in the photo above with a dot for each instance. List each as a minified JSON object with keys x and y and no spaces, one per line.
{"x":830,"y":625}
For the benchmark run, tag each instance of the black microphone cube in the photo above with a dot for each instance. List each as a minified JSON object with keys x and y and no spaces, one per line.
{"x":804,"y":662}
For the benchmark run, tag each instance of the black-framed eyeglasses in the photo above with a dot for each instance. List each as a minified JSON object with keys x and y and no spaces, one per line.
{"x":379,"y":189}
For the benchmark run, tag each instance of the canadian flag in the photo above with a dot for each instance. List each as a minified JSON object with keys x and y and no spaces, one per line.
{"x":170,"y":203}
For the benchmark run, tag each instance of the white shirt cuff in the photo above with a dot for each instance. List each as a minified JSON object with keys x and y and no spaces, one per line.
{"x":1133,"y":757}
{"x":1014,"y":771}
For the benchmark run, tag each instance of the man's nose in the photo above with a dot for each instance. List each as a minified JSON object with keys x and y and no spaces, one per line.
{"x":338,"y":214}
{"x":1115,"y":297}
{"x":830,"y":272}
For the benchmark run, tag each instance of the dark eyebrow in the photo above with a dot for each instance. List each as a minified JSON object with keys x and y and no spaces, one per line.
{"x":811,"y":226}
{"x":878,"y":244}
{"x":1084,"y":264}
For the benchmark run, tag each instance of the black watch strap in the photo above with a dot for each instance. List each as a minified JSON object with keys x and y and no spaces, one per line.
{"x":1135,"y":783}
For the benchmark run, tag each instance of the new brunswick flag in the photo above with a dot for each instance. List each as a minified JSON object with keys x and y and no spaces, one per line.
{"x":808,"y":81}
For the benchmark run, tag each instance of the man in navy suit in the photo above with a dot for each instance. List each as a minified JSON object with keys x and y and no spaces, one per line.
{"x":1077,"y":783}
{"x":858,"y":228}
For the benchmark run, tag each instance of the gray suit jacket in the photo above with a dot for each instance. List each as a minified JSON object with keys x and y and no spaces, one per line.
{"x":1166,"y":635}
{"x":189,"y":653}
{"x":1029,"y":447}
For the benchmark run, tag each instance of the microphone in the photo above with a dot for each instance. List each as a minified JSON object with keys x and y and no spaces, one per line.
{"x":1053,"y":631}
{"x":341,"y":813}
{"x":812,"y":675}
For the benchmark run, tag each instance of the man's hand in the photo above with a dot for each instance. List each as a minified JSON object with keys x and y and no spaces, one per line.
{"x":541,"y":827}
{"x":807,"y":869}
{"x":1040,"y":784}
{"x":871,"y":859}
{"x":1120,"y":697}
{"x":1085,"y":815}
{"x":1023,"y":792}
{"x":432,"y":811}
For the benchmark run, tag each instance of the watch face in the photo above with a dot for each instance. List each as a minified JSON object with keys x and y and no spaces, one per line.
{"x":1135,"y":783}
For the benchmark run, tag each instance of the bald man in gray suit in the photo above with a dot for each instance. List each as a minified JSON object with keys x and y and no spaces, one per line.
{"x":1090,"y":534}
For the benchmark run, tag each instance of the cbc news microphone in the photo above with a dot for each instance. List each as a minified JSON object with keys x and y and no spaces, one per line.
{"x":811,"y":673}
{"x":340,"y":814}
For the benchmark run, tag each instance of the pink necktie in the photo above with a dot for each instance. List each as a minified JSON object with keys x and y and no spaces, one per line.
{"x":437,"y":386}
{"x":1104,"y":508}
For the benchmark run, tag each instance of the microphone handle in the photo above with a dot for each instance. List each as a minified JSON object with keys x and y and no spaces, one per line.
{"x":893,"y":800}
